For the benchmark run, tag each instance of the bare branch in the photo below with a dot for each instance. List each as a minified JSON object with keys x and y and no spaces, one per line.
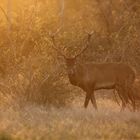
{"x":5,"y":14}
{"x":55,"y":33}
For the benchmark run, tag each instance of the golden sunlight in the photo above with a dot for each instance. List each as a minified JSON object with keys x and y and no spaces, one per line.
{"x":69,"y":69}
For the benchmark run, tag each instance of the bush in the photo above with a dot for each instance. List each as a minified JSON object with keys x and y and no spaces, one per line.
{"x":30,"y":66}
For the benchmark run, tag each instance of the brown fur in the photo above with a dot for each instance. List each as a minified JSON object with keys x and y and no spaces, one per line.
{"x":95,"y":76}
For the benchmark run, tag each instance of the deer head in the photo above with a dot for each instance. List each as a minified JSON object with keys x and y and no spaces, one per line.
{"x":70,"y":61}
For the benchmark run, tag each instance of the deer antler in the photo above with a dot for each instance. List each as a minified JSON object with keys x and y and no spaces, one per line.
{"x":52,"y":35}
{"x":57,"y":31}
{"x":88,"y":42}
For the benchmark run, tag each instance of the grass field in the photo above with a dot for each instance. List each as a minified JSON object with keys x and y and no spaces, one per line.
{"x":33,"y":122}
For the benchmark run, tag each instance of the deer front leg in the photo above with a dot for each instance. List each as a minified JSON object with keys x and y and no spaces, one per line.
{"x":123,"y":107}
{"x":88,"y":96}
{"x":93,"y":100}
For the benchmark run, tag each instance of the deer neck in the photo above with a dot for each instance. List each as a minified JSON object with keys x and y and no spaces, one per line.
{"x":72,"y":72}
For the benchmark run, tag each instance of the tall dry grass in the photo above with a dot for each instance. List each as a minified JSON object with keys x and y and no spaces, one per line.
{"x":34,"y":122}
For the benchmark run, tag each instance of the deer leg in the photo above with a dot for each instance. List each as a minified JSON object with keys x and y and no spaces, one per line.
{"x":123,"y":106}
{"x":132,"y":99}
{"x":93,"y":100}
{"x":88,"y":96}
{"x":122,"y":96}
{"x":128,"y":92}
{"x":115,"y":97}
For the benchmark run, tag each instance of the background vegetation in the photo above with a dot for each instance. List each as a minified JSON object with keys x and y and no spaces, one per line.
{"x":32,"y":69}
{"x":33,"y":74}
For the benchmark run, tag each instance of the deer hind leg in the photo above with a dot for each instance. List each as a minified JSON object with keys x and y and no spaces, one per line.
{"x":126,"y":97}
{"x":93,"y":101}
{"x":131,"y":97}
{"x":128,"y":88}
{"x":123,"y":104}
{"x":122,"y":95}
{"x":130,"y":91}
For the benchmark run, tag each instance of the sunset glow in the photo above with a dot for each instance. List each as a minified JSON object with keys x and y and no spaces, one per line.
{"x":69,"y":69}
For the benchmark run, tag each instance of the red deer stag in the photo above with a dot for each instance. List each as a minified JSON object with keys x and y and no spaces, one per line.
{"x":95,"y":76}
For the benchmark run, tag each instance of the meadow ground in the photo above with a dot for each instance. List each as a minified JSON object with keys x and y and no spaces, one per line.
{"x":33,"y":122}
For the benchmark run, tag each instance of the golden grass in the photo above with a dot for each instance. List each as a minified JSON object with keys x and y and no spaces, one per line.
{"x":33,"y":122}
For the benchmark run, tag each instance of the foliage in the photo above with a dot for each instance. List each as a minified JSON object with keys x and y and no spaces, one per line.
{"x":30,"y":67}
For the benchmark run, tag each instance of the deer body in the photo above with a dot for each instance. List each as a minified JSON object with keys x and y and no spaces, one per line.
{"x":95,"y":76}
{"x":99,"y":75}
